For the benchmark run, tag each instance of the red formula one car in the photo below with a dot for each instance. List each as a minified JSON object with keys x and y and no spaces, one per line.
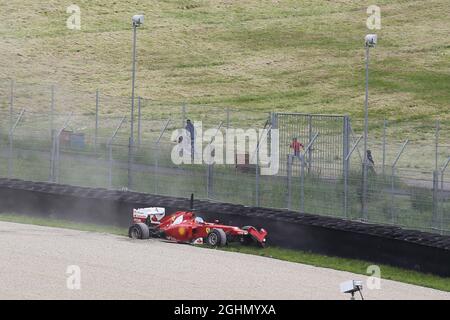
{"x":187,"y":227}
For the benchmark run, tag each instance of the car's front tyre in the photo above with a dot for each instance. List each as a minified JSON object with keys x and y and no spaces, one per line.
{"x":216,"y":238}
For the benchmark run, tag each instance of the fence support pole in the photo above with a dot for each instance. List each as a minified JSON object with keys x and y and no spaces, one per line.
{"x":259,"y":140}
{"x":110,"y":158}
{"x":209,"y":167}
{"x":110,"y":166}
{"x":58,"y":157}
{"x":384,"y":147}
{"x":183,"y":115}
{"x":436,"y":149}
{"x":346,"y":160}
{"x":52,"y":109}
{"x":10,"y":140}
{"x":257,"y":178}
{"x":66,"y":123}
{"x":435,"y":218}
{"x":157,"y":154}
{"x":56,"y":153}
{"x":302,"y":183}
{"x":96,"y":119}
{"x":209,"y":184}
{"x":302,"y":172}
{"x":394,"y":217}
{"x":289,"y":182}
{"x":346,"y":174}
{"x":352,"y":135}
{"x":10,"y":156}
{"x":444,"y":167}
{"x":11,"y":103}
{"x":52,"y":157}
{"x":310,"y":136}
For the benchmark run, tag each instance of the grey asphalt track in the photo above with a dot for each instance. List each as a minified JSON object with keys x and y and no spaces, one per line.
{"x":34,"y":262}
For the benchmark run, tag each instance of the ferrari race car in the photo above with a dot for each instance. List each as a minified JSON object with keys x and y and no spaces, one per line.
{"x":186,"y":227}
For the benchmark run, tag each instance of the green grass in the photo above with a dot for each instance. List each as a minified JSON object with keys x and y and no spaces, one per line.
{"x":350,"y":265}
{"x":254,"y":55}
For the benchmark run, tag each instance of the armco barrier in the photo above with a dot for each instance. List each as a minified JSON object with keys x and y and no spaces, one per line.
{"x":331,"y":236}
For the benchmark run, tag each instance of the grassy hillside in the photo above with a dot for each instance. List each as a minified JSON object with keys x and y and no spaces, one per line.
{"x":304,"y":56}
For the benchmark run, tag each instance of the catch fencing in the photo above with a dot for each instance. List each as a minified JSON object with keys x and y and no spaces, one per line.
{"x":85,"y":139}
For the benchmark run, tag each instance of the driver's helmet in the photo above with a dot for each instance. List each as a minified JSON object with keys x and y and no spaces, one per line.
{"x":199,"y":220}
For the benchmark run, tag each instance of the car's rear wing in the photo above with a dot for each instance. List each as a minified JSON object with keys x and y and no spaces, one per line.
{"x":152,"y":214}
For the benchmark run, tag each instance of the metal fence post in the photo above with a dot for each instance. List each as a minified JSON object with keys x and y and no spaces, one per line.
{"x":302,"y":172}
{"x":228,"y":118}
{"x":57,"y":162}
{"x":11,"y":103}
{"x":436,"y":150}
{"x":289,"y":182}
{"x":346,"y":144}
{"x":57,"y":149}
{"x":183,"y":115}
{"x":156,"y":165}
{"x":346,"y":174}
{"x":393,"y":211}
{"x":209,"y":180}
{"x":394,"y":217}
{"x":156,"y":159}
{"x":384,"y":147}
{"x":10,"y":155}
{"x":209,"y":166}
{"x":442,"y":195}
{"x":364,"y":201}
{"x":10,"y":141}
{"x":259,"y":139}
{"x":257,"y":178}
{"x":346,"y":160}
{"x":302,"y":183}
{"x":352,"y":135}
{"x":96,"y":118}
{"x":110,"y":168}
{"x":109,"y":143}
{"x":435,"y":199}
{"x":444,"y":167}
{"x":52,"y":109}
{"x":310,"y":136}
{"x":52,"y":157}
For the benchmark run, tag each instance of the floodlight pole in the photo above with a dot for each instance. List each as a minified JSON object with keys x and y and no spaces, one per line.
{"x":366,"y":130}
{"x":133,"y":80}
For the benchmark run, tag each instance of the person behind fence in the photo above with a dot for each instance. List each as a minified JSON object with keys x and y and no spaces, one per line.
{"x":296,"y":146}
{"x":371,"y":163}
{"x":190,"y":128}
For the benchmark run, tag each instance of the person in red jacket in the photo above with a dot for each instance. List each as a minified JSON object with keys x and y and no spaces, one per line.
{"x":296,"y":146}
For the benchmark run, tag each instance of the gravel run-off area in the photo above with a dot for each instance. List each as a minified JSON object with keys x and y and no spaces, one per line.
{"x":34,"y":261}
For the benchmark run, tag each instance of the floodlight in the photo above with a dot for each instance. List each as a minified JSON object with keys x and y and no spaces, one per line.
{"x":351,"y":287}
{"x":138,"y":19}
{"x":371,"y":40}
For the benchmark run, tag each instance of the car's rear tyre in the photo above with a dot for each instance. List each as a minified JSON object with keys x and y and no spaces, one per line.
{"x":216,"y":238}
{"x":139,"y":231}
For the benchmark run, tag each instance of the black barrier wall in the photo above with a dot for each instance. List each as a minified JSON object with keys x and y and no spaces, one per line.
{"x":376,"y":243}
